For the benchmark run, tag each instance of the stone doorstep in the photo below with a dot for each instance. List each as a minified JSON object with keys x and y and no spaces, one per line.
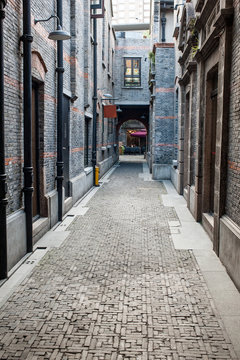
{"x":67,"y":204}
{"x":39,"y":225}
{"x":208,"y":224}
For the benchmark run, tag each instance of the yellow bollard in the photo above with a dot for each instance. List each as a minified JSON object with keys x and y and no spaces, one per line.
{"x":96,"y":176}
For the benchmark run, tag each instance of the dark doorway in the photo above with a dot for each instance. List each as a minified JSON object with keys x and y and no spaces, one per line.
{"x":186,"y":141}
{"x":214,"y":94}
{"x":210,"y":142}
{"x":86,"y":141}
{"x":66,"y":147}
{"x":35,"y":150}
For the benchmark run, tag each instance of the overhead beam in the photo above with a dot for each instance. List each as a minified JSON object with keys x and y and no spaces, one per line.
{"x":131,"y":27}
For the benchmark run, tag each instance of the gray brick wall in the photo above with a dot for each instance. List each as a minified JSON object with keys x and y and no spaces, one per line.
{"x":105,"y":63}
{"x":164,"y":106}
{"x":176,"y":127}
{"x":13,"y":105}
{"x":78,"y":83}
{"x":233,"y":180}
{"x":132,"y":47}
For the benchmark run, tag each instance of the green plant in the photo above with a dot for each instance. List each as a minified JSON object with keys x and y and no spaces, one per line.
{"x":191,"y":24}
{"x":194,"y":50}
{"x":151,"y":56}
{"x":194,"y":37}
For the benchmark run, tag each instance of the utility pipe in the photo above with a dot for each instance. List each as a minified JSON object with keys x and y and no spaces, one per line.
{"x":27,"y":109}
{"x":163,"y":21}
{"x":3,"y":185}
{"x":94,"y":127}
{"x":60,"y":71}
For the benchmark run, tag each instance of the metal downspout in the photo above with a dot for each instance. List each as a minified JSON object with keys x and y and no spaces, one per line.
{"x":27,"y":108}
{"x":60,"y":71}
{"x":94,"y":128}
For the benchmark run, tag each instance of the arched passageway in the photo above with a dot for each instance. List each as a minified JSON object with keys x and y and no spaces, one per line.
{"x":133,"y":135}
{"x":136,"y":112}
{"x":133,"y":128}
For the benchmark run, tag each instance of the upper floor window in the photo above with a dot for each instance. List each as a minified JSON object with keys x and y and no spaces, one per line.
{"x":132,"y":72}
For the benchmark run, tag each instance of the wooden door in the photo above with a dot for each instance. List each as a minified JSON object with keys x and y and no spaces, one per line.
{"x":35,"y":151}
{"x":66,"y":147}
{"x":214,"y":94}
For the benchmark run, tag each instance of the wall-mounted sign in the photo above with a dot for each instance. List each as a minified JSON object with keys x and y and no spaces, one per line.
{"x":110,"y":111}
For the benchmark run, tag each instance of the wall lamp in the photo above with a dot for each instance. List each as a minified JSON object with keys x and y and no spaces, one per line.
{"x":59,"y":33}
{"x":109,"y":96}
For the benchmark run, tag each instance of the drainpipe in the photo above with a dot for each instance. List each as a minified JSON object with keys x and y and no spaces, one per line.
{"x":60,"y":71}
{"x":163,"y":21}
{"x":94,"y":128}
{"x":27,"y":109}
{"x":3,"y":185}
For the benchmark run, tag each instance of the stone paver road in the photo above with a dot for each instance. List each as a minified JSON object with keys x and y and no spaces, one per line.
{"x":116,"y":288}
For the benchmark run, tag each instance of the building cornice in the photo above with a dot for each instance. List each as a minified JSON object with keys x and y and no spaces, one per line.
{"x":162,"y":46}
{"x":224,"y":18}
{"x":220,"y":7}
{"x":192,"y":67}
{"x":184,"y":80}
{"x":199,"y":5}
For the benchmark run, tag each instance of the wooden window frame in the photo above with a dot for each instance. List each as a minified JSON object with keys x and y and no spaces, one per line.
{"x":137,"y":85}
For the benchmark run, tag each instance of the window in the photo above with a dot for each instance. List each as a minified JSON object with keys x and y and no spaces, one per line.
{"x":132,"y":72}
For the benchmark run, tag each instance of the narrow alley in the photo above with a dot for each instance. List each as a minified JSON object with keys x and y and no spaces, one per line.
{"x":118,"y":286}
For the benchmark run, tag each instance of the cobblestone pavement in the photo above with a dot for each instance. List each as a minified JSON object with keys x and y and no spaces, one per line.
{"x":116,"y":289}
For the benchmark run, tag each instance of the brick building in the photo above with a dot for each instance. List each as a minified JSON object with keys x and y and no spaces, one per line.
{"x":161,"y":83}
{"x":191,"y":112}
{"x":131,"y":11}
{"x":131,"y":76}
{"x":77,"y":113}
{"x":152,"y":45}
{"x":208,"y":88}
